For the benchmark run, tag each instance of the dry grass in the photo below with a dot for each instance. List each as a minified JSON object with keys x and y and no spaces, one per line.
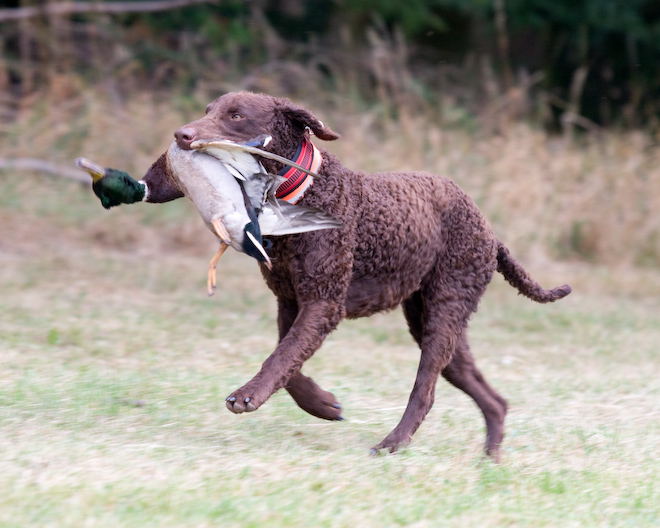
{"x":114,"y":365}
{"x":596,"y":200}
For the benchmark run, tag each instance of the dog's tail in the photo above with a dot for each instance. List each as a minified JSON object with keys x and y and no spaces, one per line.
{"x":516,"y":275}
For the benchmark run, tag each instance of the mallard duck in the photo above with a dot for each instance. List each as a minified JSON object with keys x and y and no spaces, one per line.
{"x":239,"y":204}
{"x":276,"y":216}
{"x":220,"y":202}
{"x":232,"y":192}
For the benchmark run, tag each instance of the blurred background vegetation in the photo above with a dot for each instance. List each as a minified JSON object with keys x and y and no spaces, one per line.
{"x":114,"y":364}
{"x":547,"y":111}
{"x":593,"y":62}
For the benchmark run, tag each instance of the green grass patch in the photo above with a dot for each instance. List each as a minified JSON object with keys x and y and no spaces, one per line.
{"x":114,"y":366}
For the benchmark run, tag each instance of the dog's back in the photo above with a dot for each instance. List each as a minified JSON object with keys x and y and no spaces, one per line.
{"x":402,"y":228}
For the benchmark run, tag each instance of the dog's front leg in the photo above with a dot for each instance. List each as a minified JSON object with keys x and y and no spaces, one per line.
{"x":306,"y":393}
{"x":312,"y":324}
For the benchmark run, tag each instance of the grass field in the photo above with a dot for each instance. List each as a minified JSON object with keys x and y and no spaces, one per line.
{"x":114,"y":366}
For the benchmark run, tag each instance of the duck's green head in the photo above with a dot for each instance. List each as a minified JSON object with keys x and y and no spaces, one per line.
{"x":112,"y":186}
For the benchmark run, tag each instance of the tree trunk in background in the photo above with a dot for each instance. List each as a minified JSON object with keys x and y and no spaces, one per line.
{"x":4,"y":72}
{"x":503,"y":43}
{"x":25,"y":56}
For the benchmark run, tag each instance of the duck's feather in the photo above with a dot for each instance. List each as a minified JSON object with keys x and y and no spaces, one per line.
{"x":217,"y":194}
{"x":289,"y":219}
{"x":240,"y":155}
{"x":213,"y":190}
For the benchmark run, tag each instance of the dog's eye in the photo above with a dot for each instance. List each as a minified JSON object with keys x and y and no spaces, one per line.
{"x":237,"y":117}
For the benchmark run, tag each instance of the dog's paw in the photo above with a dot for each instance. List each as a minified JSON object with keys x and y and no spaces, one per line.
{"x":238,"y":403}
{"x":326,"y":408}
{"x":391,"y":443}
{"x":313,"y":399}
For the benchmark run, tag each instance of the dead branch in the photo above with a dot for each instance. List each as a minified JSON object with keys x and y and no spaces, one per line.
{"x":570,"y":116}
{"x":503,"y":42}
{"x":47,"y":167}
{"x":69,"y":8}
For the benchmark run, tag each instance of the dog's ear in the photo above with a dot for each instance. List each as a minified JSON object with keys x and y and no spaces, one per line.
{"x":303,"y":117}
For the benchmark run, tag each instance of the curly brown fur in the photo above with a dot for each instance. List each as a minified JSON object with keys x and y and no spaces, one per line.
{"x":520,"y":279}
{"x":409,"y":238}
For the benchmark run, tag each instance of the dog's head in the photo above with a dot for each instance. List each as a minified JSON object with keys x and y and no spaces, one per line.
{"x":242,"y":116}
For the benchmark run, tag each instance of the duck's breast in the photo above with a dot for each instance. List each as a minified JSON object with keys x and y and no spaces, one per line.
{"x":206,"y":182}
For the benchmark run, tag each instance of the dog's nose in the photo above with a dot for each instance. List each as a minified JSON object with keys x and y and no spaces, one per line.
{"x":184,"y":137}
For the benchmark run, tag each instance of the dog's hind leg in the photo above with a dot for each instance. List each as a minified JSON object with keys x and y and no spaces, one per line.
{"x":437,"y":327}
{"x":307,"y":394}
{"x":463,"y":374}
{"x":437,"y":315}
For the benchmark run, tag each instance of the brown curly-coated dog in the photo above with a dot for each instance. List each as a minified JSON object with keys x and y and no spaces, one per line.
{"x":410,"y":238}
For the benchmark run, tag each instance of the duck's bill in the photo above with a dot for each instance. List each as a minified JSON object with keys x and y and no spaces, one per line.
{"x":209,"y":145}
{"x":95,"y":170}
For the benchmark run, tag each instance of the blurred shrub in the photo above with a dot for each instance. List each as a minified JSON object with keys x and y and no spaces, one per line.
{"x":588,"y":63}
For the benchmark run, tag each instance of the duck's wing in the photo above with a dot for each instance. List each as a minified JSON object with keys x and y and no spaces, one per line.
{"x":260,"y":188}
{"x":238,"y":153}
{"x":291,"y":219}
